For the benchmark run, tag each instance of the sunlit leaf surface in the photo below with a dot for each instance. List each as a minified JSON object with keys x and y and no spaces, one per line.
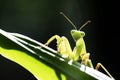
{"x":43,"y":62}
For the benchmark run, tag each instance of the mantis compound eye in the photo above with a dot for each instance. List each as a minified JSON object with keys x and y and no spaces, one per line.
{"x":82,"y":34}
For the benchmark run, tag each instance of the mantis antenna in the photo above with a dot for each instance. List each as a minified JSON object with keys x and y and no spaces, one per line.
{"x":85,"y":24}
{"x":68,"y":20}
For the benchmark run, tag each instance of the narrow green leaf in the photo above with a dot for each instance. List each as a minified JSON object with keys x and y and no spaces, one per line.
{"x":43,"y":62}
{"x":25,"y":58}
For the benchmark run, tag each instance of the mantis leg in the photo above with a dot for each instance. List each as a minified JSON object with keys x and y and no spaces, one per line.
{"x":100,"y":65}
{"x":63,"y":45}
{"x":52,"y":38}
{"x":85,"y":58}
{"x":86,"y":61}
{"x":65,"y":48}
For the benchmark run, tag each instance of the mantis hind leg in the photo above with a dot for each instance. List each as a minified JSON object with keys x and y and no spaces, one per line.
{"x":51,"y":39}
{"x":100,"y":65}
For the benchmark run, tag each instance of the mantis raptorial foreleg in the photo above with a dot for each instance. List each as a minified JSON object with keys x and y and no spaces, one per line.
{"x":63,"y":46}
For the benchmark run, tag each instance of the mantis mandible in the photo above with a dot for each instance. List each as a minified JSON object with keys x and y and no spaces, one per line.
{"x":79,"y":52}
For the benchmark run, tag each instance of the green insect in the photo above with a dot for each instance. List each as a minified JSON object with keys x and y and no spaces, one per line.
{"x":79,"y":51}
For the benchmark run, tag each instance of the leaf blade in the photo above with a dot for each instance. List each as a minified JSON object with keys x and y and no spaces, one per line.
{"x":46,"y":56}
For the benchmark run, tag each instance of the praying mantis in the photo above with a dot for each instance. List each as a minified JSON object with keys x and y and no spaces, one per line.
{"x":79,"y":52}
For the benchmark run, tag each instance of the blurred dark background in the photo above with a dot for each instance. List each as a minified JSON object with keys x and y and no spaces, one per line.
{"x":40,"y":19}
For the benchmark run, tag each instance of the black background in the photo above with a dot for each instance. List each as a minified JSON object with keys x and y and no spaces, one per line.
{"x":40,"y":19}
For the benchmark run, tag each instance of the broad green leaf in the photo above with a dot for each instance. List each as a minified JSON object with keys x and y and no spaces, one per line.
{"x":43,"y":62}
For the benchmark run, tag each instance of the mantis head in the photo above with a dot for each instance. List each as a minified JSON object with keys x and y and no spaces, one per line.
{"x":76,"y":34}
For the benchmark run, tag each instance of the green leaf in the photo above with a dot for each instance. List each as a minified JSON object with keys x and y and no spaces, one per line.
{"x":43,"y":62}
